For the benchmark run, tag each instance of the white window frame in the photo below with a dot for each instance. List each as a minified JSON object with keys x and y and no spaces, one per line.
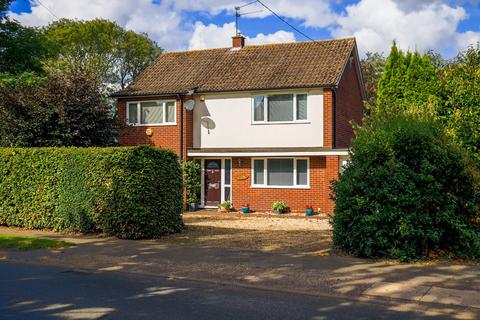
{"x":265,"y":172}
{"x":265,"y":109}
{"x":225,"y":185}
{"x":139,"y":113}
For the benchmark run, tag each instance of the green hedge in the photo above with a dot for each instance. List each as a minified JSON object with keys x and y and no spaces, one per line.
{"x":407,"y":191}
{"x":127,"y":192}
{"x":192,"y":172}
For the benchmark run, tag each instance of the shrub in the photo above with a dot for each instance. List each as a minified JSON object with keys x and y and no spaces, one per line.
{"x":127,"y":192}
{"x":226,"y":205}
{"x":279,"y":206}
{"x":406,"y":191}
{"x":192,"y":180}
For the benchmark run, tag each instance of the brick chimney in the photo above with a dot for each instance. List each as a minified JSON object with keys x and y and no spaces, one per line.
{"x":238,"y":41}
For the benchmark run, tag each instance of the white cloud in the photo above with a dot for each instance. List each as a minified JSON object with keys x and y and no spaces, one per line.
{"x":213,"y":36}
{"x":279,"y":36}
{"x":165,"y":22}
{"x":431,"y":25}
{"x":414,"y":24}
{"x":311,"y":13}
{"x":158,"y":20}
{"x":468,"y":38}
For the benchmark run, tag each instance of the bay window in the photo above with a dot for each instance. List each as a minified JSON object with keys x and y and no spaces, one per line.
{"x":278,"y":108}
{"x":151,"y":113}
{"x":280,"y":172}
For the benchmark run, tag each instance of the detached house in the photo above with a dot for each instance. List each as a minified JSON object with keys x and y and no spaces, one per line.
{"x":268,"y":122}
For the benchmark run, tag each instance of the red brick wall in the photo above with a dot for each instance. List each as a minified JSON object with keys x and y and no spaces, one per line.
{"x":328,"y":118}
{"x":322,"y":171}
{"x":349,"y":105}
{"x":163,"y":136}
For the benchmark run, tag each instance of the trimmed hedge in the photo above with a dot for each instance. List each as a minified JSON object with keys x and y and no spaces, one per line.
{"x":127,"y":192}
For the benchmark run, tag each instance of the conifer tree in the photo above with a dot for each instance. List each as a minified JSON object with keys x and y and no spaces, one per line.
{"x":390,"y":86}
{"x":409,"y":82}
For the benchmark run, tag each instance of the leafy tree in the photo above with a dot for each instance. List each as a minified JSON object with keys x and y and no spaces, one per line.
{"x":4,"y":4}
{"x":62,"y":109}
{"x":372,"y":70}
{"x":460,"y":92}
{"x":24,"y":121}
{"x":117,"y":55}
{"x":22,"y":49}
{"x":407,"y":190}
{"x":135,"y":52}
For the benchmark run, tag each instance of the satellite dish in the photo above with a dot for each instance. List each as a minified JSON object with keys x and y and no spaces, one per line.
{"x":207,"y":123}
{"x":190,"y":104}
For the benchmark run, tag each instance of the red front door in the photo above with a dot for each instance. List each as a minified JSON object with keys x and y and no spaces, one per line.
{"x":213,"y":180}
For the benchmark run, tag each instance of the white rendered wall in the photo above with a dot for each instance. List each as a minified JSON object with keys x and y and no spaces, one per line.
{"x":231,"y":123}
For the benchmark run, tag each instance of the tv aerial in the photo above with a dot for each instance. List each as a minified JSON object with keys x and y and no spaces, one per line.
{"x":238,"y":14}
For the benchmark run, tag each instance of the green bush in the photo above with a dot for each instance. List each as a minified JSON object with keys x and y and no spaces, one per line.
{"x":407,"y":191}
{"x":279,"y":206}
{"x":192,"y":181}
{"x":127,"y":192}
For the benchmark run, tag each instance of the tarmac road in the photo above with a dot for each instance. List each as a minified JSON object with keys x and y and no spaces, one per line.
{"x":47,"y":292}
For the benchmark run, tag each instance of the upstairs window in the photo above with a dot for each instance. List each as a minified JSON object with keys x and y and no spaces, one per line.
{"x":279,"y":108}
{"x":151,"y":113}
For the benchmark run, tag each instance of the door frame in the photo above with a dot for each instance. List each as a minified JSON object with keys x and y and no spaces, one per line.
{"x":222,"y":179}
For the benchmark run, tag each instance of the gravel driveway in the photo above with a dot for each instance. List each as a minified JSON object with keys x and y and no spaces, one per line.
{"x":263,"y":231}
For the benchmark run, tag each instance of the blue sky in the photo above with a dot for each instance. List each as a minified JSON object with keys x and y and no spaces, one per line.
{"x":442,"y":25}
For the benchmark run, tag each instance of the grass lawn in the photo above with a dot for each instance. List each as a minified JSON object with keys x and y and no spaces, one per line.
{"x":9,"y":241}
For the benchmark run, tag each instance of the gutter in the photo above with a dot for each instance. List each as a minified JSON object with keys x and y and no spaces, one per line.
{"x":203,"y":154}
{"x":133,"y":95}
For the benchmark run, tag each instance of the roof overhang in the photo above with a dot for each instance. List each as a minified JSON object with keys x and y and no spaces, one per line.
{"x":186,"y":92}
{"x":266,"y":153}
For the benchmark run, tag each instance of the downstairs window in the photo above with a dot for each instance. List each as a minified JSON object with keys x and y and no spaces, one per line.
{"x":280,"y":172}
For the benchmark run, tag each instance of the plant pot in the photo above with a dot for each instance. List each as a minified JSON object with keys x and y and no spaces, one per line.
{"x":245,"y":209}
{"x":192,"y":207}
{"x":278,"y":211}
{"x":222,"y":209}
{"x":309,"y":212}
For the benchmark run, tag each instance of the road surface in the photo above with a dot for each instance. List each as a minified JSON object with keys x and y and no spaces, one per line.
{"x":46,"y":292}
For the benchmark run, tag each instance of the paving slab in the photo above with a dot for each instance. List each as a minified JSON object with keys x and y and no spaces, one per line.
{"x":465,"y":298}
{"x":421,"y":293}
{"x":397,"y":291}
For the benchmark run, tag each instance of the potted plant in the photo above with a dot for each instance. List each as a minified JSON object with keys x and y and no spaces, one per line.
{"x":309,"y":210}
{"x":225,"y":206}
{"x":192,"y":201}
{"x":246,"y":208}
{"x":279,"y":206}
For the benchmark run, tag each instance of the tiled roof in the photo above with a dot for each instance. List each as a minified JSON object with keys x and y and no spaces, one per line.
{"x":256,"y":67}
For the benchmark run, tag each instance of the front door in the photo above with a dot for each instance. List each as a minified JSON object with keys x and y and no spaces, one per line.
{"x":213,"y":180}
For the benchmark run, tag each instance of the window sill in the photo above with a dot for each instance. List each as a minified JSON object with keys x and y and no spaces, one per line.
{"x":151,"y":125}
{"x":280,"y":122}
{"x":278,"y":187}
